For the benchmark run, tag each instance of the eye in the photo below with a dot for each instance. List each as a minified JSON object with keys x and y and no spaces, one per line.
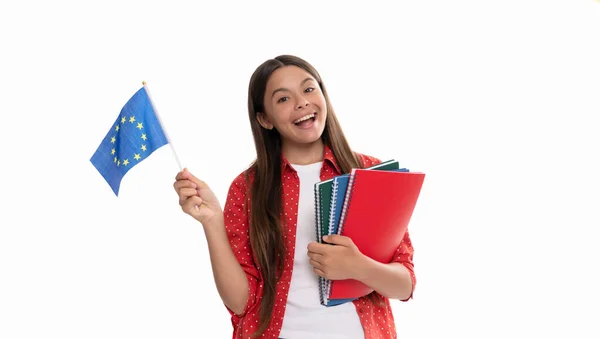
{"x":310,"y":89}
{"x":282,"y":99}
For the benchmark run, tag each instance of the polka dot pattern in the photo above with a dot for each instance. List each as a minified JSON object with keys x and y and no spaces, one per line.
{"x":377,"y":320}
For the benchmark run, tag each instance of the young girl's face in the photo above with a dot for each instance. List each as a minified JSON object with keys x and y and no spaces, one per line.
{"x":294,"y":105}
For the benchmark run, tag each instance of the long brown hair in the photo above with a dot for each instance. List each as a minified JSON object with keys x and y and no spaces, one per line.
{"x":266,"y":233}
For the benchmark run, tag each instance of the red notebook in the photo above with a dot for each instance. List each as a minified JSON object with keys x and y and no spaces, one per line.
{"x":376,"y":213}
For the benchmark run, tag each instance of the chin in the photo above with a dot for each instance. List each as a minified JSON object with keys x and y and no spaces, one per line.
{"x":306,"y":140}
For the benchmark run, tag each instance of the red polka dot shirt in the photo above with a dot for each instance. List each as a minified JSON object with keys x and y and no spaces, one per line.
{"x":376,"y":318}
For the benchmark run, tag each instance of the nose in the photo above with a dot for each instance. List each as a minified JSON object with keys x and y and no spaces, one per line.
{"x":302,"y":103}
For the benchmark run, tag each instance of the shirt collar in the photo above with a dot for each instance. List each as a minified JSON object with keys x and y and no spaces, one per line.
{"x":327,"y":157}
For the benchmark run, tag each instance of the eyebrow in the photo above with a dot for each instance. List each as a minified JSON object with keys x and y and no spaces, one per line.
{"x":285,"y":89}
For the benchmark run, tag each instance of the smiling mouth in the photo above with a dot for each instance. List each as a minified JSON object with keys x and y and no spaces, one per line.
{"x":305,"y":119}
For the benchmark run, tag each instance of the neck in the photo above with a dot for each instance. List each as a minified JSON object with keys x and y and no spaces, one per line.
{"x":304,"y":154}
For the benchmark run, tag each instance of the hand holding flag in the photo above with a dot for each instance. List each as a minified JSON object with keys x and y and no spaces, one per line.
{"x":197,"y":199}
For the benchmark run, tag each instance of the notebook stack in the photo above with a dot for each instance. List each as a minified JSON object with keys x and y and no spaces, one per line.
{"x":373,"y":207}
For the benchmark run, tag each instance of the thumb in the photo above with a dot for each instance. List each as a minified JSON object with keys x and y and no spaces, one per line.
{"x":337,"y":239}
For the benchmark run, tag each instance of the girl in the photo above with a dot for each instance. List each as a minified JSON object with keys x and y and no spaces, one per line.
{"x":264,"y":258}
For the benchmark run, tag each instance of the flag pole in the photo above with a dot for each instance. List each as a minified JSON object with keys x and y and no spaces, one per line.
{"x":165,"y":132}
{"x":162,"y":126}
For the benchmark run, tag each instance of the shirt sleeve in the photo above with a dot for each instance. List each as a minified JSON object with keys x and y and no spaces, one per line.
{"x":368,"y":160}
{"x":404,"y":256}
{"x":236,"y":212}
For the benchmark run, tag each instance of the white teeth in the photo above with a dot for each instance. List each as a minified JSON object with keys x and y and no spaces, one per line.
{"x":306,"y":117}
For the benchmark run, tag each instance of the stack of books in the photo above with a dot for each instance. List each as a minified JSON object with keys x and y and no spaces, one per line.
{"x":373,"y":207}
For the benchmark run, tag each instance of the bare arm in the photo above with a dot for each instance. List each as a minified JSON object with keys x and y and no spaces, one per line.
{"x":229,"y":276}
{"x":226,"y":232}
{"x":390,"y":280}
{"x":394,"y":280}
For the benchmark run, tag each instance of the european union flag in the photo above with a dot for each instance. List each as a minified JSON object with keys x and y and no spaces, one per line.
{"x":135,"y":134}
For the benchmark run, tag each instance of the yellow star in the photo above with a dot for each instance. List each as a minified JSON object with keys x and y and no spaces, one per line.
{"x":118,"y":162}
{"x":112,"y":151}
{"x":132,"y":119}
{"x":143,"y":147}
{"x":140,"y":125}
{"x":112,"y":140}
{"x":137,"y":157}
{"x":123,"y":120}
{"x":117,"y":128}
{"x":115,"y":160}
{"x":144,"y":136}
{"x":126,"y":162}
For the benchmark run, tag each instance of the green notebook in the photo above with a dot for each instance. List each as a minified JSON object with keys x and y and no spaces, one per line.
{"x":323,"y":191}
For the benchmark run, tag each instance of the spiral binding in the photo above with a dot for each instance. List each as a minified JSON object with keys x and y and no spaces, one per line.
{"x":347,"y":200}
{"x":317,"y":213}
{"x":318,"y":209}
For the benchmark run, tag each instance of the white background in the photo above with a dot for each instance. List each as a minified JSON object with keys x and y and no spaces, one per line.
{"x":495,"y":100}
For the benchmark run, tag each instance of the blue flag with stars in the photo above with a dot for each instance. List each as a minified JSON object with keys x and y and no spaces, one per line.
{"x":132,"y":138}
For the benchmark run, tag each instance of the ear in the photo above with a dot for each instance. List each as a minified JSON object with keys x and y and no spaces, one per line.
{"x":264,"y":121}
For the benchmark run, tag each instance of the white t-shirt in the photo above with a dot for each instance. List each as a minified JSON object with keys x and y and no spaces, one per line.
{"x":305,"y":317}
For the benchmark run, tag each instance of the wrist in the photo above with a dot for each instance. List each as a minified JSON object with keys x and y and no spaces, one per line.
{"x":364,"y":266}
{"x":215,"y":223}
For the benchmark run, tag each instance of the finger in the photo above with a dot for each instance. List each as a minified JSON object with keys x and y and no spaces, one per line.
{"x":186,"y":193}
{"x":337,"y":239}
{"x":183,"y":183}
{"x":185,"y":174}
{"x":319,"y":272}
{"x":189,"y":176}
{"x":316,"y":264}
{"x":315,"y":256}
{"x":191,"y":204}
{"x":182,"y":175}
{"x":315,"y":247}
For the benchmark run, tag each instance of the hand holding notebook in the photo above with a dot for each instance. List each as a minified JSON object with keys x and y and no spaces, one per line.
{"x":335,"y":262}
